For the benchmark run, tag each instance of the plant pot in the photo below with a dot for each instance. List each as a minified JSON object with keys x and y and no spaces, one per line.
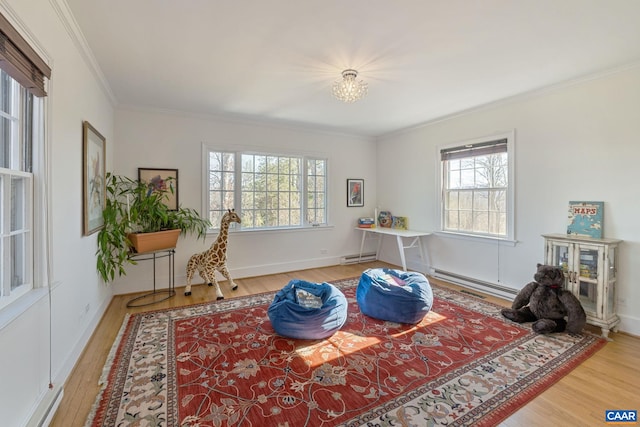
{"x":149,"y":242}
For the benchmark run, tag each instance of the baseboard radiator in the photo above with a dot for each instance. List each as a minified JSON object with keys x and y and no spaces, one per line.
{"x":47,"y":409}
{"x":493,"y":289}
{"x":356,"y":258}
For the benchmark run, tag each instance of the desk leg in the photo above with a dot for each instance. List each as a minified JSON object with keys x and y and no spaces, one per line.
{"x":424,"y":255}
{"x":421,"y":249}
{"x":380,"y":236}
{"x":364,"y":234}
{"x":401,"y":250}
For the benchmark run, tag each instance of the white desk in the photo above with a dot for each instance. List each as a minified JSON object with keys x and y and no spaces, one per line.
{"x":380,"y":232}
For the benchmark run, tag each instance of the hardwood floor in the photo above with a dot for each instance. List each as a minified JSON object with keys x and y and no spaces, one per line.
{"x":608,"y":380}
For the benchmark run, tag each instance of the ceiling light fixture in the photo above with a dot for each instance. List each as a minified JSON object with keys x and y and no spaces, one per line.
{"x":349,"y":89}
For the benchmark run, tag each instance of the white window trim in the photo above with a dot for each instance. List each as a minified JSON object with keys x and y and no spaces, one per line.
{"x":239,"y":149}
{"x":510,"y":237}
{"x":477,"y":238}
{"x":11,"y":307}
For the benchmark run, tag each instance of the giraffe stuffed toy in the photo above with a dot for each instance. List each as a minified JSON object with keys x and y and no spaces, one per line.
{"x":214,"y":258}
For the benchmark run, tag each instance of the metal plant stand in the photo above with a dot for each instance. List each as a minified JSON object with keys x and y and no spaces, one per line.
{"x":151,"y":297}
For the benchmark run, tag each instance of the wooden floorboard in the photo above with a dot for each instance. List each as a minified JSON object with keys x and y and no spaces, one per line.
{"x":607,"y":380}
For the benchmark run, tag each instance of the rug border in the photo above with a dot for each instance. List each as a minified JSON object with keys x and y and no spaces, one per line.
{"x":501,"y":413}
{"x":103,"y":381}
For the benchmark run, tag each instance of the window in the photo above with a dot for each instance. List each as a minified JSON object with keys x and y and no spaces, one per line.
{"x":269,"y":191}
{"x":22,"y":161}
{"x":477,"y":187}
{"x":16,"y":183}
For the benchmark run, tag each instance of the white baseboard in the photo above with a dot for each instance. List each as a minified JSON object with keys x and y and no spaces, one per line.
{"x":265,"y":269}
{"x":60,"y":378}
{"x":629,"y":325}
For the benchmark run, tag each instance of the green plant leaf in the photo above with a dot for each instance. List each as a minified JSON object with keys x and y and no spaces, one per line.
{"x":133,"y":206}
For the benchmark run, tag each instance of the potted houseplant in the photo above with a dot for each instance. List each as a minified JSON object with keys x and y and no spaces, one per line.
{"x":136,"y":209}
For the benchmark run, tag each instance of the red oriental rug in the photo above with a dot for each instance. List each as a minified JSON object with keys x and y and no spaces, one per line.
{"x":221,"y":364}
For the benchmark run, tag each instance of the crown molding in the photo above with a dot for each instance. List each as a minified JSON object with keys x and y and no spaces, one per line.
{"x":73,"y":29}
{"x":517,"y":98}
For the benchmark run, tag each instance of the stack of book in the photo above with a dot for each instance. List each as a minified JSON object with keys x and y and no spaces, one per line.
{"x":366,"y":223}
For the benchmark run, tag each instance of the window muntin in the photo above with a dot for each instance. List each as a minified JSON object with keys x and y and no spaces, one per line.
{"x":476,"y":190}
{"x":269,"y":191}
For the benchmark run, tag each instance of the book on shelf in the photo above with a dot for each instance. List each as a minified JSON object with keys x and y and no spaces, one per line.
{"x":585,"y":219}
{"x":366,"y":226}
{"x":366,"y":222}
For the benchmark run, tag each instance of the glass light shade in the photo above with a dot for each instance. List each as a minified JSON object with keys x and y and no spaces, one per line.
{"x":349,"y":89}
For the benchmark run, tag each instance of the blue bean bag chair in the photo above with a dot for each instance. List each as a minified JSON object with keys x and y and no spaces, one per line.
{"x":306,"y":310}
{"x":394,"y":295}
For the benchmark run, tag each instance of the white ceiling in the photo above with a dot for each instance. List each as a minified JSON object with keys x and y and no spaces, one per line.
{"x":423,"y":59}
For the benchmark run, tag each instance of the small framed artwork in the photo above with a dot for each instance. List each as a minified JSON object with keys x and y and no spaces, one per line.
{"x":355,"y":192}
{"x":163,"y":179}
{"x":94,"y":192}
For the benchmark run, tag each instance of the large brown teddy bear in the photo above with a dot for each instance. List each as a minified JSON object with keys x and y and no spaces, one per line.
{"x":546,"y":304}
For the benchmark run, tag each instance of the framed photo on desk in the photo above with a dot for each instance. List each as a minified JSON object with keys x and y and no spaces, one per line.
{"x":355,"y":192}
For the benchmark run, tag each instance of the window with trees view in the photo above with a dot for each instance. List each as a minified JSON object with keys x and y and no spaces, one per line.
{"x":476,"y":187}
{"x":268,"y":191}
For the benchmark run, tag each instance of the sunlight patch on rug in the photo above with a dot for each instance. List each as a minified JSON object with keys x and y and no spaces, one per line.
{"x":221,"y":364}
{"x":339,"y":345}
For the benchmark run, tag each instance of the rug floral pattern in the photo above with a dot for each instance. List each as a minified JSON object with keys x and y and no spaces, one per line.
{"x":221,"y":364}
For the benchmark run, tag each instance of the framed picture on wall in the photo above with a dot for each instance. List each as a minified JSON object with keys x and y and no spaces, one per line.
{"x":162,"y":179}
{"x":94,"y":192}
{"x":355,"y":192}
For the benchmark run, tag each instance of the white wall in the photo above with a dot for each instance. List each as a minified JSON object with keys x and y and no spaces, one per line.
{"x":74,"y":95}
{"x":576,"y":142}
{"x":170,"y":140}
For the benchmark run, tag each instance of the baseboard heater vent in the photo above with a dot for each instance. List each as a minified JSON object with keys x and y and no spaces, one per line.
{"x":479,"y":285}
{"x":356,"y":258}
{"x":47,"y":409}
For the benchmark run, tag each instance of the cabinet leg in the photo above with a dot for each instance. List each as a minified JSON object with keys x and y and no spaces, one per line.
{"x":605,"y":332}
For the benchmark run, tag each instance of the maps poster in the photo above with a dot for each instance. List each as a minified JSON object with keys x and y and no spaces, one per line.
{"x":586,"y":219}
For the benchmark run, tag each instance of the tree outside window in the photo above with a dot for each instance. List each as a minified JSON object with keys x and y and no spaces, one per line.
{"x":268,"y":191}
{"x":476,"y":192}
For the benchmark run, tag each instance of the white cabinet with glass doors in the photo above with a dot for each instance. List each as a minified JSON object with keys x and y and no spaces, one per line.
{"x":590,"y":267}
